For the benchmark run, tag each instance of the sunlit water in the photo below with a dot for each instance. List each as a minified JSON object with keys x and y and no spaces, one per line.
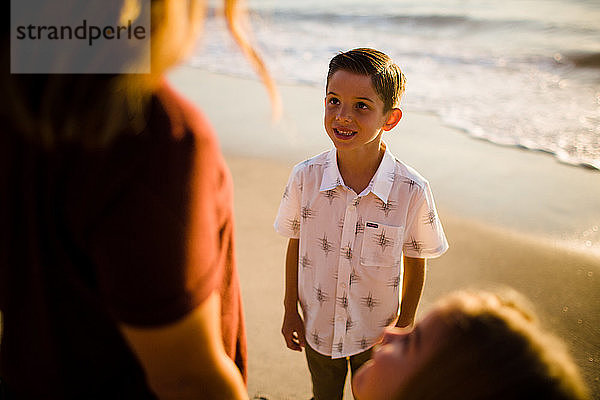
{"x":515,"y":72}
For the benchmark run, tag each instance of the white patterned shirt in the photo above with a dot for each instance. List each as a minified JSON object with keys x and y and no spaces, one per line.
{"x":350,"y":252}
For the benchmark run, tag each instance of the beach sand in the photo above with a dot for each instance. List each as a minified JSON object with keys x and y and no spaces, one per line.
{"x":512,"y":218}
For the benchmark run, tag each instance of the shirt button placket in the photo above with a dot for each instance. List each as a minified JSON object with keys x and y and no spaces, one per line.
{"x":345,"y":266}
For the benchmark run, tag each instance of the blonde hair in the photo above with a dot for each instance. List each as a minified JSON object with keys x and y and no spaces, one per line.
{"x":235,"y":16}
{"x":495,"y":349}
{"x":93,"y":109}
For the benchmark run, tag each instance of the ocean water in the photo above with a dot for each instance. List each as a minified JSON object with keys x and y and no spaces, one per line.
{"x":514,"y":72}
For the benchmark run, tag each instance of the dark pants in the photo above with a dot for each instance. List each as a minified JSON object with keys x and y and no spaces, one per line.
{"x":329,"y":375}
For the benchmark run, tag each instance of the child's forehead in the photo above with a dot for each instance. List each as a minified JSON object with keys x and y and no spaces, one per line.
{"x":346,"y":82}
{"x":343,"y":75}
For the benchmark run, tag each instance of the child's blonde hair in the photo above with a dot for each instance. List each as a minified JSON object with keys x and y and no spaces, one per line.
{"x":93,"y":109}
{"x":495,"y":349}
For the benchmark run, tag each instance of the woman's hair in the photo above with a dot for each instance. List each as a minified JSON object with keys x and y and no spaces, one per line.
{"x":93,"y":109}
{"x":495,"y":349}
{"x":386,"y":77}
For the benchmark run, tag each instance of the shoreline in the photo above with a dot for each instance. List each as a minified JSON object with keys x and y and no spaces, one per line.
{"x":593,"y":166}
{"x":499,"y":236}
{"x":520,"y":190}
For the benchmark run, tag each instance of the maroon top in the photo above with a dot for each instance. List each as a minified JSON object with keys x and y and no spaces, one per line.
{"x":140,"y":232}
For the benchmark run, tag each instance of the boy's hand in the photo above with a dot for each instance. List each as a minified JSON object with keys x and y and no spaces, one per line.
{"x":389,"y":333}
{"x":293,"y":330}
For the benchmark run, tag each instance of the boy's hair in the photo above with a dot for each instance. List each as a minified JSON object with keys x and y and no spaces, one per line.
{"x":387,"y":78}
{"x":495,"y":349}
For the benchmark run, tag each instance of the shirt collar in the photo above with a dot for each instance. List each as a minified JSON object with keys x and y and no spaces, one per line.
{"x":380,"y":185}
{"x":331,"y":174}
{"x":382,"y":181}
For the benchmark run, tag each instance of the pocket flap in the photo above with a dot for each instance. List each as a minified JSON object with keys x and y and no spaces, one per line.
{"x":382,"y":244}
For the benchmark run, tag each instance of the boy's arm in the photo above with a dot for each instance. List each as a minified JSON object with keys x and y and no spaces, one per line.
{"x":412,"y":287}
{"x":293,"y":326}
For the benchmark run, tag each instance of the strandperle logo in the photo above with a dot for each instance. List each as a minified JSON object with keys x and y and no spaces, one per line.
{"x":78,"y":37}
{"x":87,"y":32}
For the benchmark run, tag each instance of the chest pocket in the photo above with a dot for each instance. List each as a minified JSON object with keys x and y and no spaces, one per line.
{"x":382,"y":245}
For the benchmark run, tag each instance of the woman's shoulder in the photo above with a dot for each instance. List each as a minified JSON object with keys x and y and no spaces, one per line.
{"x":185,"y":119}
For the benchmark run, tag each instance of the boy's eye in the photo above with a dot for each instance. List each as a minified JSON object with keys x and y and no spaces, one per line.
{"x":333,"y":100}
{"x":362,"y":106}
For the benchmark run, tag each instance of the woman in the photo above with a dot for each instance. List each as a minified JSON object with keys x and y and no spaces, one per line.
{"x":476,"y":345}
{"x":117,"y":272}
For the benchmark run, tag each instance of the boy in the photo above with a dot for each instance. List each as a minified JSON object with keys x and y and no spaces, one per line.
{"x":360,"y":223}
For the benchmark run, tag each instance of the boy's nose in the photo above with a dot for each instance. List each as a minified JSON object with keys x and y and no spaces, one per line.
{"x":343,"y":113}
{"x":343,"y":117}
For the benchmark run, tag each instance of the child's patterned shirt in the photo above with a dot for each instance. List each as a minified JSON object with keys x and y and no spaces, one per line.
{"x":351,"y":246}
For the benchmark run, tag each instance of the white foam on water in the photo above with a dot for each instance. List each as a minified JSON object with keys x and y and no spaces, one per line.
{"x":519,"y":73}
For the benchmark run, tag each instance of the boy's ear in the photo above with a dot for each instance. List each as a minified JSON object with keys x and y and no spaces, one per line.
{"x":393,"y":119}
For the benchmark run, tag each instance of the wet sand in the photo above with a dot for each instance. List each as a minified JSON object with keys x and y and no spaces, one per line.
{"x":512,"y":217}
{"x":563,"y":284}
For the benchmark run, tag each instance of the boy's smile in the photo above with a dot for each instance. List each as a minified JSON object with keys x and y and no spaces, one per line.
{"x":343,"y":134}
{"x":354,"y":117}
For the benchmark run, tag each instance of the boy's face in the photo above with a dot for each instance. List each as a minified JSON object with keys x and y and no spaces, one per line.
{"x":354,"y":116}
{"x":398,"y":358}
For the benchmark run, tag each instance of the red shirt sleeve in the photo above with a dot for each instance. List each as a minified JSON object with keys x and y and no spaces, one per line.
{"x":157,"y":245}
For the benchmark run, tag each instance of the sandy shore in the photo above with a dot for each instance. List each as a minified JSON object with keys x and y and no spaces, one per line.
{"x":564,"y":285}
{"x":487,"y":247}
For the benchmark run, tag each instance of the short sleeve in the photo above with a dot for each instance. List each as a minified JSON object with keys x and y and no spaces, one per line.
{"x":160,"y":245}
{"x":287,"y":222}
{"x":424,"y":235}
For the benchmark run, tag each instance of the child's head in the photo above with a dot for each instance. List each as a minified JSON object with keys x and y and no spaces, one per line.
{"x":363,"y":89}
{"x":42,"y":106}
{"x":387,"y":78}
{"x":473,"y":345}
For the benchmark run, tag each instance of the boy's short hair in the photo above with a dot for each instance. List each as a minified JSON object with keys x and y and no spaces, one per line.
{"x":387,"y":78}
